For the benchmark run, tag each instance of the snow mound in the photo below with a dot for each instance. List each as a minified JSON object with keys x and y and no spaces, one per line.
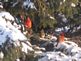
{"x":66,"y":51}
{"x":8,"y":32}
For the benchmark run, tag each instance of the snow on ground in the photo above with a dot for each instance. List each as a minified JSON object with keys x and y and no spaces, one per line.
{"x":11,"y":33}
{"x":58,"y":56}
{"x":66,"y":51}
{"x":8,"y":30}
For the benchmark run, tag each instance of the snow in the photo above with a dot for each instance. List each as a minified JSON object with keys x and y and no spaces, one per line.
{"x":1,"y":55}
{"x":6,"y":15}
{"x":63,"y":29}
{"x":58,"y":29}
{"x":11,"y":33}
{"x":1,"y":5}
{"x":8,"y":30}
{"x":54,"y":56}
{"x":26,"y":48}
{"x":17,"y":59}
{"x":67,"y":51}
{"x":28,"y":4}
{"x":73,"y":5}
{"x":63,"y":18}
{"x":66,"y":28}
{"x":14,"y":4}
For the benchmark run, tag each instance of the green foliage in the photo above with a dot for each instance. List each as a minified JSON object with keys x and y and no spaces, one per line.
{"x":49,"y":7}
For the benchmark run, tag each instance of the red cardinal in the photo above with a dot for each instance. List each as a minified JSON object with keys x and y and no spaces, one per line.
{"x":28,"y":23}
{"x":61,"y":37}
